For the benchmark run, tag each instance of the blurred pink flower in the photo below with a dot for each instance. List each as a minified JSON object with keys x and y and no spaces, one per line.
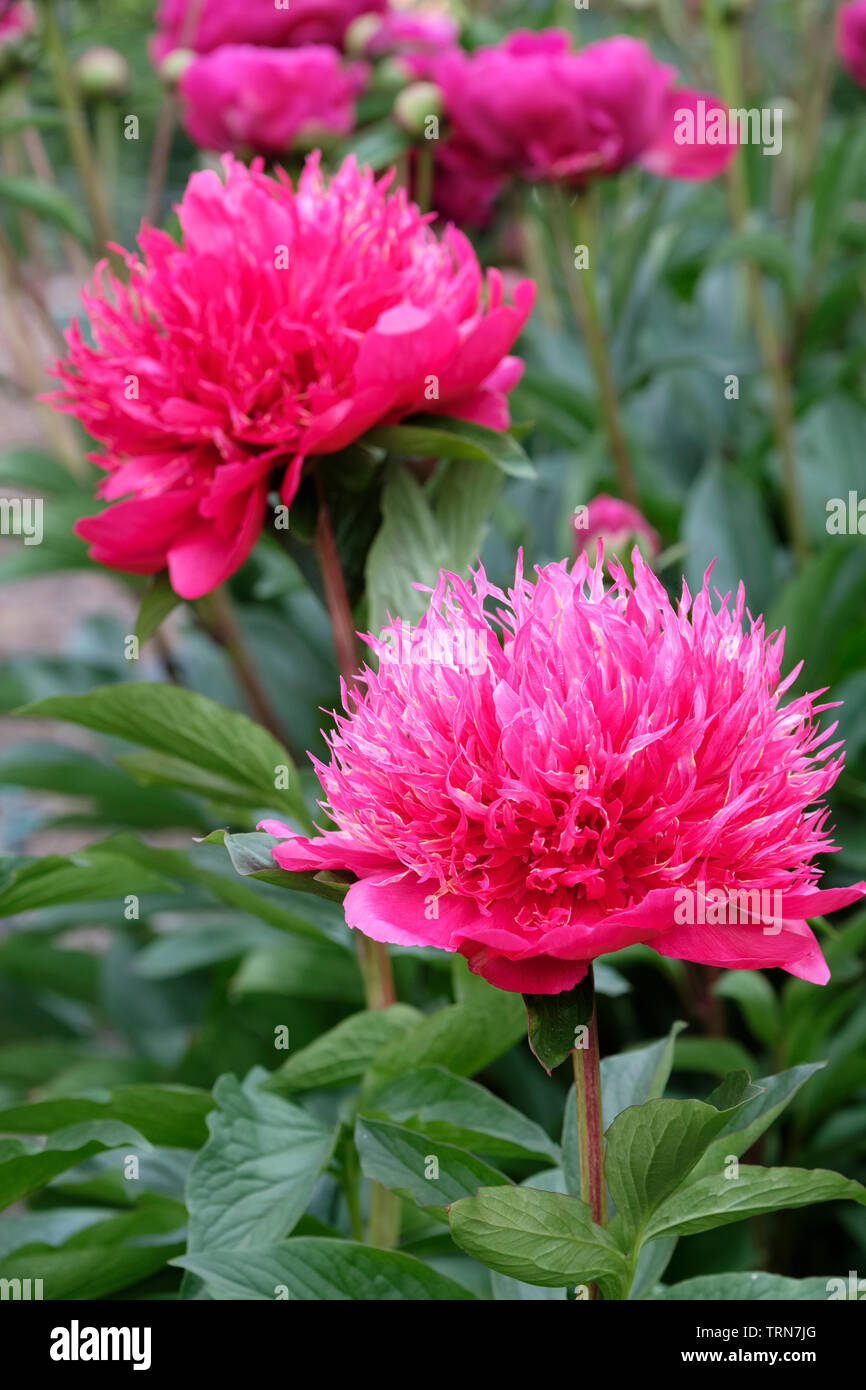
{"x":275,"y":23}
{"x":285,"y":324}
{"x":542,"y":800}
{"x":851,"y":38}
{"x":614,"y":522}
{"x":241,"y":97}
{"x":417,"y":38}
{"x":533,"y":107}
{"x":17,"y":20}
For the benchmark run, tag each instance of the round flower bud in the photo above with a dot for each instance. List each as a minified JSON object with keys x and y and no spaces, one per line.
{"x":102,"y":72}
{"x":416,"y":104}
{"x":173,"y":67}
{"x":360,"y":32}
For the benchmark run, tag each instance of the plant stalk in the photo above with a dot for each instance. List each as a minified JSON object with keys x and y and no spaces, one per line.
{"x":587,"y":1085}
{"x":726,"y":38}
{"x":584,"y":302}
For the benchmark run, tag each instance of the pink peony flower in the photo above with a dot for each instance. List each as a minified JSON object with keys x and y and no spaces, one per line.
{"x":276,"y":23}
{"x":538,"y":803}
{"x":851,"y":38}
{"x":261,"y":99}
{"x":285,"y":324}
{"x":17,"y":17}
{"x":417,"y":38}
{"x":532,"y":106}
{"x":615,"y":523}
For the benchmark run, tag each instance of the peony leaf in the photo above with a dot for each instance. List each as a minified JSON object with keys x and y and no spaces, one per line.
{"x":455,"y":1110}
{"x":652,"y":1148}
{"x":184,"y":724}
{"x":251,"y":1182}
{"x":754,"y":1287}
{"x":538,"y":1237}
{"x":720,"y":1199}
{"x":345,"y":1052}
{"x":554,"y":1019}
{"x":401,"y":1159}
{"x":314,"y":1268}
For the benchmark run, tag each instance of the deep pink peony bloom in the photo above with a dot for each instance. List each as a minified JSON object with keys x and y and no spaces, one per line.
{"x":261,"y":99}
{"x":540,"y":803}
{"x":17,"y":20}
{"x":417,"y":38}
{"x":533,"y":106}
{"x":277,"y":23}
{"x":613,"y":522}
{"x":851,"y":39}
{"x":285,"y":324}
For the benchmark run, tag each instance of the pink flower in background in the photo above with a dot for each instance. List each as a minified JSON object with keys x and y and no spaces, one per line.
{"x":261,"y":99}
{"x":17,"y":20}
{"x":417,"y":38}
{"x":540,"y":801}
{"x":851,"y":39}
{"x":533,"y":107}
{"x":267,"y":22}
{"x":285,"y":324}
{"x":614,"y":522}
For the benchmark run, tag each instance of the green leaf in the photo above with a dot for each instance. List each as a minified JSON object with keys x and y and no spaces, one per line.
{"x":716,"y":1056}
{"x":302,"y":968}
{"x":770,"y":250}
{"x":183,"y":724}
{"x":399,"y":1158}
{"x":254,"y":1177}
{"x":537,"y":1237}
{"x":442,"y":437}
{"x":173,"y":1116}
{"x":26,"y":1166}
{"x":312,"y":1268}
{"x":245,"y":898}
{"x":725,"y":520}
{"x":158,"y":601}
{"x":652,"y":1148}
{"x":756,"y":998}
{"x":627,"y":1078}
{"x":754,"y":1287}
{"x":88,"y":874}
{"x":34,"y":470}
{"x":251,"y":857}
{"x":821,"y":609}
{"x":457,"y":1111}
{"x":94,"y":1273}
{"x":554,"y":1020}
{"x":345,"y":1052}
{"x":465,"y":1038}
{"x":48,"y":202}
{"x":718,"y":1200}
{"x":750,"y":1121}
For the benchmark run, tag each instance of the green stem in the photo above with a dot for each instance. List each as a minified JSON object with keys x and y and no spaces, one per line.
{"x":375,"y":963}
{"x":587,"y":1085}
{"x":726,"y":38}
{"x":218,"y":616}
{"x":77,"y":131}
{"x":383,"y":1228}
{"x":424,"y":175}
{"x":584,"y":301}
